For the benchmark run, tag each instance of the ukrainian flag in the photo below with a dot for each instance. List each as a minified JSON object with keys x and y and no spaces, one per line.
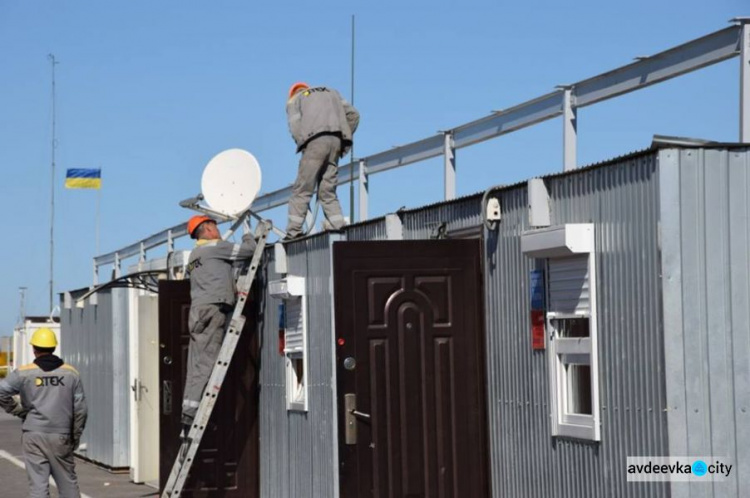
{"x":83,"y":178}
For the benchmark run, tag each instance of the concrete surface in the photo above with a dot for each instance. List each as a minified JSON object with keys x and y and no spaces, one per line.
{"x":93,"y":481}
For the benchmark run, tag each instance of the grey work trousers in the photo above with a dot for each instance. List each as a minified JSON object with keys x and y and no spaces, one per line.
{"x":318,"y":166}
{"x":47,"y":454}
{"x":207,"y":323}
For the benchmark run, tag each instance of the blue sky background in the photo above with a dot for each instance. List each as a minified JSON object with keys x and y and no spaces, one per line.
{"x":150,"y":91}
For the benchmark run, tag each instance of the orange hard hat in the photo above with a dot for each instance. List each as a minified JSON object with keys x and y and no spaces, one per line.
{"x":297,"y":86}
{"x":195,"y":222}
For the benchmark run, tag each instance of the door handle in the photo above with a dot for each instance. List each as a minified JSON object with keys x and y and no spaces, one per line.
{"x":351,"y":415}
{"x":136,"y":388}
{"x":362,"y":416}
{"x":166,"y":397}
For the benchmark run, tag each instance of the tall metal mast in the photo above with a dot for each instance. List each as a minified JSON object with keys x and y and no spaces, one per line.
{"x":22,"y":308}
{"x":351,"y":150}
{"x":53,"y":62}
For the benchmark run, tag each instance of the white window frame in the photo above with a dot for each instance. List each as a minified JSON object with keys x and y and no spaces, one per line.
{"x":550,"y":243}
{"x":296,"y":389}
{"x":580,"y":426}
{"x":292,"y":290}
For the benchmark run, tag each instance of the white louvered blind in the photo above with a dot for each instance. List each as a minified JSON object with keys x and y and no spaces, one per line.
{"x":294,"y":335}
{"x":569,"y":285}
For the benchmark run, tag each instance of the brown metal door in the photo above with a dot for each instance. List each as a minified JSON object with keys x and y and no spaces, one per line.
{"x":410,"y":316}
{"x":227,"y":461}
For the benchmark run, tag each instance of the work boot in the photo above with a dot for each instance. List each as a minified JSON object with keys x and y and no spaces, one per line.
{"x":328,"y":226}
{"x":185,"y":442}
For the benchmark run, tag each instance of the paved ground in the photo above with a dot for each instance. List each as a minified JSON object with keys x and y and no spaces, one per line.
{"x":94,"y":482}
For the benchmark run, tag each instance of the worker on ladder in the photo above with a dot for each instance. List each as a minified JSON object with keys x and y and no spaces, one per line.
{"x":212,"y":299}
{"x":53,"y":409}
{"x":322,"y":125}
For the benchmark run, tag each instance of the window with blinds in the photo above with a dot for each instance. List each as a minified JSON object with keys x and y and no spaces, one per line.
{"x":569,"y":285}
{"x":571,"y":324}
{"x":294,"y":323}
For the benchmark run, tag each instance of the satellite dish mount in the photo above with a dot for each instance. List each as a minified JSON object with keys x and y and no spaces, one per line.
{"x":229,"y":185}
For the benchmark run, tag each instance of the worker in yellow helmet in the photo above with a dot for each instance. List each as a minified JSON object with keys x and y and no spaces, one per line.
{"x":322,"y":125}
{"x":53,"y":409}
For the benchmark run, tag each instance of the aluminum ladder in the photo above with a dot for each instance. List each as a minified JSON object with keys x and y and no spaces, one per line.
{"x":182,"y":466}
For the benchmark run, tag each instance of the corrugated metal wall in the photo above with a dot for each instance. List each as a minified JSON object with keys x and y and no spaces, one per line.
{"x":96,"y":343}
{"x":702,"y":200}
{"x":621,"y":199}
{"x":706,"y":259}
{"x":299,"y":450}
{"x":459,"y":214}
{"x":369,"y":230}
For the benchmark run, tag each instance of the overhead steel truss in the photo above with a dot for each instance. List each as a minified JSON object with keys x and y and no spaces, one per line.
{"x":733,"y":41}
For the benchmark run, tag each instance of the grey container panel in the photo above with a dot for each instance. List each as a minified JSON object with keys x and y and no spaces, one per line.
{"x":622,"y":201}
{"x":274,"y":436}
{"x":121,"y":393}
{"x":457,"y":215}
{"x":369,"y":230}
{"x":298,"y":449}
{"x":705,"y":212}
{"x":96,"y":344}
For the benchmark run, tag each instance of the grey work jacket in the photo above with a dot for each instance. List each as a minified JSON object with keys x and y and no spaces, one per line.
{"x":211,"y":270}
{"x":318,"y":111}
{"x":52,"y":401}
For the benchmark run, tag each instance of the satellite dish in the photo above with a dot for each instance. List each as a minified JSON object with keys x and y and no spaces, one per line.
{"x":231,"y":181}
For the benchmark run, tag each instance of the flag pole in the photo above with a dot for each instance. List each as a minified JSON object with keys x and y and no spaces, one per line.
{"x":98,"y":213}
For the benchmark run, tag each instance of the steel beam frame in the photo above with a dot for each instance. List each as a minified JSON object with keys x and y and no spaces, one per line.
{"x":646,"y":71}
{"x":449,"y":166}
{"x":364,"y":189}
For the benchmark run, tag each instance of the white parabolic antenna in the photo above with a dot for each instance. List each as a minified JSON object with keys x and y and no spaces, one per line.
{"x":230,"y":181}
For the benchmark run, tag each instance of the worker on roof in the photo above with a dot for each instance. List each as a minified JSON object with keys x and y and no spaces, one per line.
{"x":53,"y":409}
{"x":322,"y":124}
{"x":212,"y":296}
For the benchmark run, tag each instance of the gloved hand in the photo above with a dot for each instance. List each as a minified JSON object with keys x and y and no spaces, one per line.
{"x":19,"y":411}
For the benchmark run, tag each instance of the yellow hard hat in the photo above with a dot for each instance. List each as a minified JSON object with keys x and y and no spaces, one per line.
{"x":44,"y":338}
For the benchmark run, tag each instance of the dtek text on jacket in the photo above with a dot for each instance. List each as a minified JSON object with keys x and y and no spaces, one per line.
{"x":51,"y":396}
{"x":320,"y":110}
{"x":211,"y":270}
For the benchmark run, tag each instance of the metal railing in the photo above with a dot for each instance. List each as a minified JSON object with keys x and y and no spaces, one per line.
{"x":565,"y":101}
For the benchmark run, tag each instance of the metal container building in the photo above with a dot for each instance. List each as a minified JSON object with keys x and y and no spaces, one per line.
{"x":666,"y":297}
{"x":96,"y":332}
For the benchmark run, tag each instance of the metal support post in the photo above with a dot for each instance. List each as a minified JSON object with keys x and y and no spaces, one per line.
{"x":364,"y":190}
{"x":170,"y":241}
{"x":142,"y":255}
{"x":449,"y":165}
{"x":570,"y":130}
{"x":117,"y":268}
{"x":96,"y":274}
{"x":744,"y":78}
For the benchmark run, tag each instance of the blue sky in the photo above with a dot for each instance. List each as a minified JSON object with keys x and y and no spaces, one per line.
{"x":150,"y":91}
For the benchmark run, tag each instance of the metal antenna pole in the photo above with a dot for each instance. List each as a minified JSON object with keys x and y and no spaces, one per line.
{"x":22,"y":308}
{"x":53,"y":62}
{"x":351,"y":150}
